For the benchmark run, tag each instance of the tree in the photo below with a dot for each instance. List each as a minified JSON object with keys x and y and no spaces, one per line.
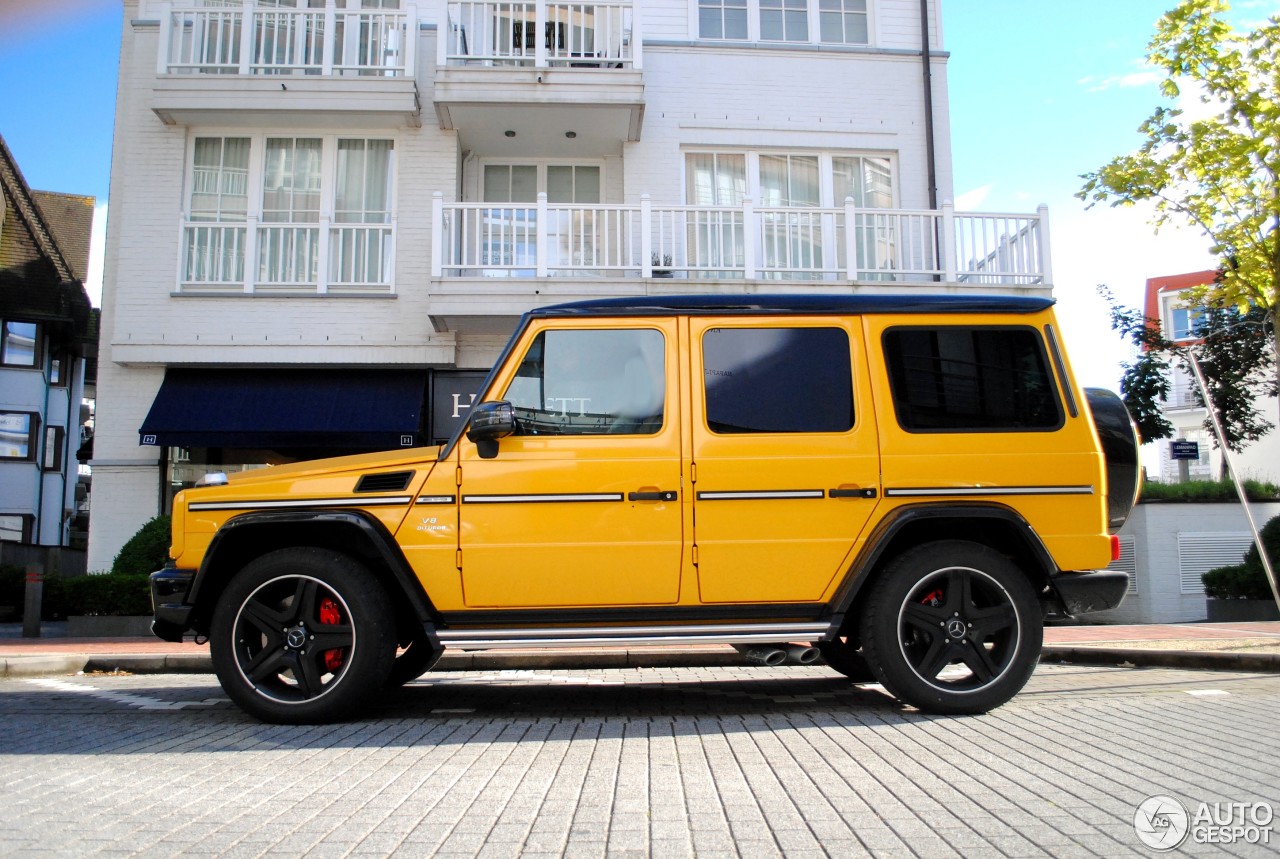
{"x":1220,"y":174}
{"x":1235,"y":356}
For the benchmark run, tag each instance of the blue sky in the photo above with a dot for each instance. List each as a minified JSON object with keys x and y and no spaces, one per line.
{"x":1040,"y":92}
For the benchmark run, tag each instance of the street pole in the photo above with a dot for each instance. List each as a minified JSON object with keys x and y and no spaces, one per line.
{"x":32,"y":601}
{"x":1235,"y":476}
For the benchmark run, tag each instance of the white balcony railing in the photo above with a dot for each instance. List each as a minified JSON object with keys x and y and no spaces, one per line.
{"x":646,"y":240}
{"x":600,"y":34}
{"x":315,"y":258}
{"x":249,"y":39}
{"x":1182,"y":395}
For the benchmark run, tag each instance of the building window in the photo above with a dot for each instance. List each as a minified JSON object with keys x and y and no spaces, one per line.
{"x":775,"y":179}
{"x":19,"y":343}
{"x":59,"y":367}
{"x":777,"y":380}
{"x":843,"y":22}
{"x":722,"y":19}
{"x":970,"y":379}
{"x":54,"y":441}
{"x":784,"y":20}
{"x":18,"y":435}
{"x":1183,"y":322}
{"x":273,"y":195}
{"x":834,"y":22}
{"x":591,"y":383}
{"x":15,"y":528}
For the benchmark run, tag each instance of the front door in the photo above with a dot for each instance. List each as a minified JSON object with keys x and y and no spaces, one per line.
{"x":785,"y":461}
{"x":582,"y":506}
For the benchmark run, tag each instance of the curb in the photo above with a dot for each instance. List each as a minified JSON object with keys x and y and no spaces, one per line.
{"x":193,"y":663}
{"x":1264,"y":663}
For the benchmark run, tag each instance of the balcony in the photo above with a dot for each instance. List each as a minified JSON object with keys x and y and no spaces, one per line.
{"x":487,"y":256}
{"x":319,"y":65}
{"x":287,"y":259}
{"x":549,"y":66}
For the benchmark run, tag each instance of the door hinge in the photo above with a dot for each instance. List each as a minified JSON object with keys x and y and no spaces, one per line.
{"x":693,"y":472}
{"x":695,"y":554}
{"x":457,"y":476}
{"x":457,"y":558}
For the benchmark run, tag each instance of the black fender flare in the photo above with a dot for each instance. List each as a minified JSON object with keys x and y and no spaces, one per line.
{"x":897,"y":522}
{"x":236,"y":540}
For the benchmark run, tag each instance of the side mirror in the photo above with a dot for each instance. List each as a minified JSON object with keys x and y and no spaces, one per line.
{"x":488,"y":423}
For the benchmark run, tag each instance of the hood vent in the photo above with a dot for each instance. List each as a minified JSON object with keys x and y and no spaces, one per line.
{"x":392,"y":481}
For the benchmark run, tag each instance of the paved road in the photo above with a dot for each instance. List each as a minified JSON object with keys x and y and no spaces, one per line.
{"x":725,"y":761}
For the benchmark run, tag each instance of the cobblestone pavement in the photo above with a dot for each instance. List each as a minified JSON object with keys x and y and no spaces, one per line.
{"x":706,"y":762}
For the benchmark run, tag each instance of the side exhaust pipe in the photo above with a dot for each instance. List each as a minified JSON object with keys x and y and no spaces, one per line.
{"x":776,"y":654}
{"x":763,"y":654}
{"x":801,"y":654}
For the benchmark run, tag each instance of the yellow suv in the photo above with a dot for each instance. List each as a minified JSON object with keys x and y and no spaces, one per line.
{"x":908,"y":484}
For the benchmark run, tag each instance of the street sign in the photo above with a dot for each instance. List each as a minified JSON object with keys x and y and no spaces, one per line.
{"x":1184,"y":450}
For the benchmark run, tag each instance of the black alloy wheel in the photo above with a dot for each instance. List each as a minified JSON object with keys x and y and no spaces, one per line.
{"x":952,"y":627}
{"x":303,"y":635}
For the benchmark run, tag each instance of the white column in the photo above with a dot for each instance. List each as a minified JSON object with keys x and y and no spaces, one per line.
{"x":1046,"y":263}
{"x":437,"y":234}
{"x":948,"y":228}
{"x":646,"y":236}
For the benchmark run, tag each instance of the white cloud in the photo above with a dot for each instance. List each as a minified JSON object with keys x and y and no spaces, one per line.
{"x":97,"y":247}
{"x":1146,"y":76}
{"x":971,"y":201}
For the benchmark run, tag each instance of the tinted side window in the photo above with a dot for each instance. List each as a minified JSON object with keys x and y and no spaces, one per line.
{"x":969,"y":379}
{"x":591,"y":382}
{"x":777,"y":380}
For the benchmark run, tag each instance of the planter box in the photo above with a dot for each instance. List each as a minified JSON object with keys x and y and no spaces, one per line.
{"x":1235,"y":611}
{"x":107,"y":626}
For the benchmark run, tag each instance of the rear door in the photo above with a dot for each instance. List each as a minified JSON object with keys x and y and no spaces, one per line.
{"x":784,"y":455}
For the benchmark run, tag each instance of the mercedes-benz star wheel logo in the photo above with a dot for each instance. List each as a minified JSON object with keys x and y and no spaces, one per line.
{"x":1161,"y":822}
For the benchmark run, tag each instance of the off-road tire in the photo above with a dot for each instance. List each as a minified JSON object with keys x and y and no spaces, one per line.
{"x":946,"y":606}
{"x":303,"y":636}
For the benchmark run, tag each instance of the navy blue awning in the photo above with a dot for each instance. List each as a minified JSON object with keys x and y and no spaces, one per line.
{"x":374,"y":409}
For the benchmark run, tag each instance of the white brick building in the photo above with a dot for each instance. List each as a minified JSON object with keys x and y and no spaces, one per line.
{"x":320,"y":192}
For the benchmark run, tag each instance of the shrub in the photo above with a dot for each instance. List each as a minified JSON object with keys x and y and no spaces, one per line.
{"x":146,"y":551}
{"x":1208,"y":490}
{"x":13,"y":594}
{"x":1247,"y":580}
{"x":112,"y":594}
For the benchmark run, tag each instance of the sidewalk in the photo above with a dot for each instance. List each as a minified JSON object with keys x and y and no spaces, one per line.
{"x":1221,"y":646}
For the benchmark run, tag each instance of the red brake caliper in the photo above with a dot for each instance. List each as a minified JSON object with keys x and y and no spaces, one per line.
{"x":330,"y":615}
{"x":933,"y":598}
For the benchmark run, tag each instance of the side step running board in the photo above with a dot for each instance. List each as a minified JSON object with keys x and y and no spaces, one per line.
{"x":618,"y":636}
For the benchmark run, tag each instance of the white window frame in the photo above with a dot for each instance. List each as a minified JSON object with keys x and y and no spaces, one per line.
{"x":754,"y":30}
{"x":253,"y":216}
{"x":826,"y":178}
{"x":541,"y":165}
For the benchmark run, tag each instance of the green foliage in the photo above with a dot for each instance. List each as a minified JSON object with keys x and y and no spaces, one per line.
{"x":1249,"y":579}
{"x":1145,"y":382}
{"x":103,"y":594}
{"x":1235,"y":355}
{"x":1207,"y":491}
{"x":1218,"y":170}
{"x":1236,"y":582}
{"x":146,"y":551}
{"x":113,"y":594}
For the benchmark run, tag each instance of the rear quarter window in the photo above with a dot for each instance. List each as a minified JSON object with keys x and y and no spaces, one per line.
{"x":971,"y":379}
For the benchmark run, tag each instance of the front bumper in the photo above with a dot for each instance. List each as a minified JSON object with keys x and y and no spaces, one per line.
{"x":1083,"y":592}
{"x":170,"y":610}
